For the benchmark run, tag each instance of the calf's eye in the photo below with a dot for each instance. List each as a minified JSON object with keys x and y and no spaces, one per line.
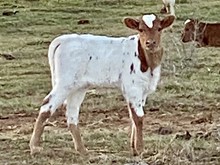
{"x":159,"y":29}
{"x":141,"y":30}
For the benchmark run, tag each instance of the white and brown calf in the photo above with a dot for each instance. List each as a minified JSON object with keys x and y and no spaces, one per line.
{"x":205,"y":34}
{"x":78,"y":62}
{"x":168,"y":7}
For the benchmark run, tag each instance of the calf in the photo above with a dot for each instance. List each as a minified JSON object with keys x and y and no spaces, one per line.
{"x":170,"y":4}
{"x":79,"y":62}
{"x":205,"y":34}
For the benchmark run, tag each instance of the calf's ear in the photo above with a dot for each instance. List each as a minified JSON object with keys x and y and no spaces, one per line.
{"x":167,"y":21}
{"x":131,"y":23}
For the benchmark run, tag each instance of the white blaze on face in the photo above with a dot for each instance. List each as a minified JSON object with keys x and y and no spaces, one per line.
{"x":187,"y":21}
{"x":148,"y":19}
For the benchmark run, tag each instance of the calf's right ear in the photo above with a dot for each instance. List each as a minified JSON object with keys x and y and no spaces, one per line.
{"x":131,"y":23}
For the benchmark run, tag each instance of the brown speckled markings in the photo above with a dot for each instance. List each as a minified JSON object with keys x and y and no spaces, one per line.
{"x":132,"y":69}
{"x":139,"y":56}
{"x":150,"y":54}
{"x":150,"y":51}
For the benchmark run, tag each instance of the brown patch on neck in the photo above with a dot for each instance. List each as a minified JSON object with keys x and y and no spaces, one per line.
{"x":141,"y":56}
{"x":149,"y":59}
{"x":154,"y":58}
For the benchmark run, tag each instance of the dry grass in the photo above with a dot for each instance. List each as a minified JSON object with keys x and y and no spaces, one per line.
{"x":187,"y":98}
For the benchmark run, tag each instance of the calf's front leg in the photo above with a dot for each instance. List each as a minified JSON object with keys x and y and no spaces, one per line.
{"x":75,"y":132}
{"x":136,"y":130}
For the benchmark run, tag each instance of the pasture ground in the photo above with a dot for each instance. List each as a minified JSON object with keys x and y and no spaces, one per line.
{"x":181,"y":125}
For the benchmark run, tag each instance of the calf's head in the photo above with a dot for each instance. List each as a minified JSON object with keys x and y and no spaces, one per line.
{"x":189,"y":32}
{"x":150,"y":29}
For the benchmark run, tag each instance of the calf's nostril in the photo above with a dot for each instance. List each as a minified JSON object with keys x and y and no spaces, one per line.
{"x":150,"y":42}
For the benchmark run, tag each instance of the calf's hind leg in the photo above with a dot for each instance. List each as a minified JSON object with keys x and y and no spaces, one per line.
{"x":74,"y":102}
{"x":51,"y":102}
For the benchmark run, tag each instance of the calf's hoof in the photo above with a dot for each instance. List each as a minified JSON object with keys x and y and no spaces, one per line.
{"x":136,"y":152}
{"x":35,"y":149}
{"x":82,"y":151}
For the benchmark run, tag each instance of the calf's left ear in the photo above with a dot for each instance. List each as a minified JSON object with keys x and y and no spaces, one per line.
{"x":167,"y":21}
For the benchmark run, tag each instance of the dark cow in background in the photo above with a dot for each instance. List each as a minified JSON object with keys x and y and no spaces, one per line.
{"x":205,"y":34}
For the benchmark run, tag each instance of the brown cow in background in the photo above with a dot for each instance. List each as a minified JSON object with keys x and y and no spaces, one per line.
{"x":205,"y":34}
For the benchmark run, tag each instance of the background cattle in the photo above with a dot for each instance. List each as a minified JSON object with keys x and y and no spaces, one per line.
{"x":168,"y":7}
{"x":205,"y":34}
